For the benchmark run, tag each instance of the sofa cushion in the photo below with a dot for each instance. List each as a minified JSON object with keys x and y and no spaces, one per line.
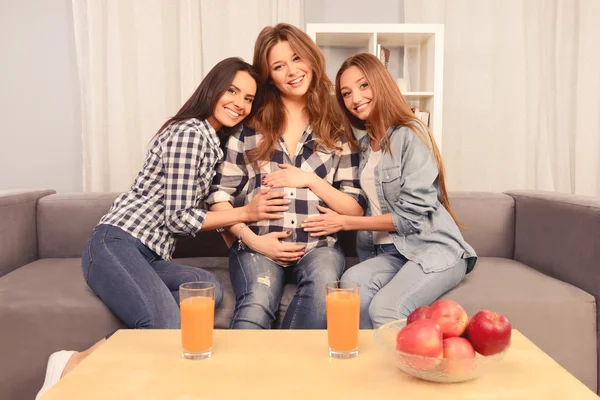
{"x":544,"y":309}
{"x":488,"y":221}
{"x":65,"y":222}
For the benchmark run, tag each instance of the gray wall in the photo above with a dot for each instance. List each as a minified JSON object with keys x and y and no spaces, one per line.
{"x":354,"y":11}
{"x":40,"y":133}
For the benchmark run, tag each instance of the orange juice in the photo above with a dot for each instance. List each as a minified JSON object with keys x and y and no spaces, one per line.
{"x":343,"y":310}
{"x":197,"y":322}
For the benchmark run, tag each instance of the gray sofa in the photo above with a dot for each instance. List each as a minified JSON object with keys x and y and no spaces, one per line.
{"x":539,"y":265}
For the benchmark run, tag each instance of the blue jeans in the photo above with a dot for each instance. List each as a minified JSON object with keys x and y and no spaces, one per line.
{"x":258,"y":286}
{"x":138,"y":286}
{"x":391,"y":287}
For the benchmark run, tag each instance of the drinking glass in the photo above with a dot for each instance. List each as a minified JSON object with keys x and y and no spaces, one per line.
{"x":343,"y":311}
{"x":197,"y":305}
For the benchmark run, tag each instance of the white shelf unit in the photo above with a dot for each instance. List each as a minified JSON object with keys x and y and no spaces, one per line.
{"x":417,"y":56}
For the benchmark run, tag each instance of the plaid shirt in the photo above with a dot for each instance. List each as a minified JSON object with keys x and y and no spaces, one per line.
{"x":236,"y":176}
{"x":168,"y":193}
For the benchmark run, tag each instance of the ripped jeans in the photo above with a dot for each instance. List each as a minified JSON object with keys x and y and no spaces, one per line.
{"x":258,"y":286}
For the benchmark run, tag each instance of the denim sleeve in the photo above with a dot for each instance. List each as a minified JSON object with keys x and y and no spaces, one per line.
{"x":418,"y":188}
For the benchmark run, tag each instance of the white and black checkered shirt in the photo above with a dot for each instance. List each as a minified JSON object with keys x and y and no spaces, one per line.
{"x":236,"y":176}
{"x":168,"y":194}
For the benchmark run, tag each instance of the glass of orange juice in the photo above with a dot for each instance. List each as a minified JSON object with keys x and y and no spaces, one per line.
{"x":343,"y":311}
{"x":197,"y":305}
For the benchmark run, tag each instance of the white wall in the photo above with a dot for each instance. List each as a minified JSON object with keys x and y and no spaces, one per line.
{"x":40,"y":140}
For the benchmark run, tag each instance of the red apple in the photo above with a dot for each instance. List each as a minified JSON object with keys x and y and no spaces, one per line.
{"x":489,"y":332}
{"x":421,"y":338}
{"x":417,"y":314}
{"x":461,"y":353}
{"x":465,"y":332}
{"x":450,"y":316}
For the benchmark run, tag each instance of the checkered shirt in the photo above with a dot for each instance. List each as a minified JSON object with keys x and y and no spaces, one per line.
{"x":167,"y":196}
{"x":237,"y":177}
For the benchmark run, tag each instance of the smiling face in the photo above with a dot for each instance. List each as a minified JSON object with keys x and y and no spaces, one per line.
{"x":289,"y":73}
{"x":357,"y":93}
{"x":236,"y":103}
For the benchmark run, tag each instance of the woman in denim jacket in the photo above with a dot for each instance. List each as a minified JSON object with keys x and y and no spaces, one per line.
{"x":409,"y":244}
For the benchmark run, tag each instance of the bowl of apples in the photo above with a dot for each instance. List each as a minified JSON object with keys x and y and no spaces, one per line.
{"x":440,"y":343}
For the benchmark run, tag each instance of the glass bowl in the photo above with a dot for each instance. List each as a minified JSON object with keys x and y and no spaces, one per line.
{"x":445,"y":370}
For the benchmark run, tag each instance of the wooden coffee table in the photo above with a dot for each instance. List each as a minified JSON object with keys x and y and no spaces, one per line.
{"x":282,"y":364}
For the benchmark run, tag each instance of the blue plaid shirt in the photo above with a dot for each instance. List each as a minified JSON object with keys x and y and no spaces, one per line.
{"x":237,"y":177}
{"x":167,"y":196}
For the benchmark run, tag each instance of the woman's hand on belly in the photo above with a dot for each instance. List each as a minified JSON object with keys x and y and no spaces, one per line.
{"x":267,"y":205}
{"x":289,"y":176}
{"x":270,"y":246}
{"x":325,"y":224}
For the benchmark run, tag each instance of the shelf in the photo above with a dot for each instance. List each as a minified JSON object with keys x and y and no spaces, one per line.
{"x":416,"y":56}
{"x":418,"y":94}
{"x":391,"y":39}
{"x":344,"y":39}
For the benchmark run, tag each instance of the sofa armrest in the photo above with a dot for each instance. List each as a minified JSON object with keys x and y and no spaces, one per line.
{"x":18,"y":227}
{"x":559,"y":235}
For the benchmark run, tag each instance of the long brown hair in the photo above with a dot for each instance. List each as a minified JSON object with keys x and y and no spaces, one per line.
{"x":270,"y":119}
{"x":395,"y":112}
{"x":203,"y":101}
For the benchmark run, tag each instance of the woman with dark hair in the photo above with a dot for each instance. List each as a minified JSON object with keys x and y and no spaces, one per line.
{"x":127,"y":259}
{"x":294,"y":144}
{"x":410,"y":245}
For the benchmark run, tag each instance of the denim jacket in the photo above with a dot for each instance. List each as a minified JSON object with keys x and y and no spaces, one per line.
{"x":407,"y":187}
